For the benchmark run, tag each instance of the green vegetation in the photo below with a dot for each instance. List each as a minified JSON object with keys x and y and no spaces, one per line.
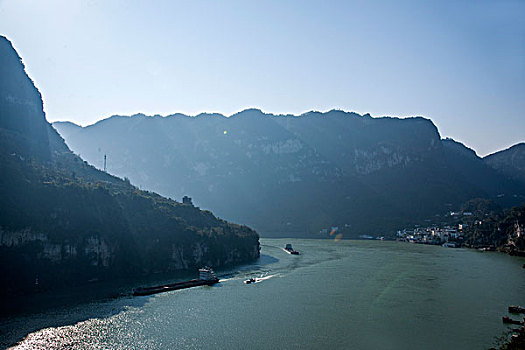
{"x":64,"y":222}
{"x":497,"y":229}
{"x":489,"y":226}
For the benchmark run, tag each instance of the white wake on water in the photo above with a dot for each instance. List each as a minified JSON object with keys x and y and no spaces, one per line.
{"x":257,"y":279}
{"x":264,"y":278}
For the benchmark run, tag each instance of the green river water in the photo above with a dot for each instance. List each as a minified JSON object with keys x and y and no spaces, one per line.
{"x":335,"y":295}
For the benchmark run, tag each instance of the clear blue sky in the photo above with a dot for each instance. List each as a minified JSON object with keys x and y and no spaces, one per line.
{"x":459,"y":63}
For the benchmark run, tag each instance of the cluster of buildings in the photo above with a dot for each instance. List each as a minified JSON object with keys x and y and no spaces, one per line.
{"x":449,"y":235}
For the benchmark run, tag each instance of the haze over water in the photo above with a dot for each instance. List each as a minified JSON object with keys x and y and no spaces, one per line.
{"x":335,"y":295}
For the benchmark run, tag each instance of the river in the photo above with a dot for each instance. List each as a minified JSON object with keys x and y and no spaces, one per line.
{"x":334,"y":295}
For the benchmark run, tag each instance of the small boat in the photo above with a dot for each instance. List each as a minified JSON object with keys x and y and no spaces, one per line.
{"x":516,"y":309}
{"x":509,"y":320}
{"x":288,"y":248}
{"x":248,"y":281}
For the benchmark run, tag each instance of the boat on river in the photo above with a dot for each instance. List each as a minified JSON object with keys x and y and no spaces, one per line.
{"x":288,"y":248}
{"x":516,"y":309}
{"x":206,"y":278}
{"x":509,"y":320}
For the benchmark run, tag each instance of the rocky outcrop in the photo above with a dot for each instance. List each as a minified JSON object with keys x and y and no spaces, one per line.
{"x":21,"y":107}
{"x":64,"y":222}
{"x":20,"y":237}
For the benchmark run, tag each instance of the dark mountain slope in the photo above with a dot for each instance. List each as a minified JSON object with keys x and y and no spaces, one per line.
{"x":20,"y":101}
{"x":64,"y":222}
{"x":294,"y":175}
{"x":510,"y":162}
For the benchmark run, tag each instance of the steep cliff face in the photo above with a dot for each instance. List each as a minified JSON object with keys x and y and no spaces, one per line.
{"x":21,"y":108}
{"x":62,"y":221}
{"x":294,"y":175}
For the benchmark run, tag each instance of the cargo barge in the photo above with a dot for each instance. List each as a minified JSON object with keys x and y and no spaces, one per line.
{"x":206,"y":278}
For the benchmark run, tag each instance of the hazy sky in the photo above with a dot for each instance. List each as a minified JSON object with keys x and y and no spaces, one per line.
{"x":459,"y":63}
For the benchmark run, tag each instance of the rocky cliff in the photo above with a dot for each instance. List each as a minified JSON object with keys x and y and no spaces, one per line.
{"x":62,"y":221}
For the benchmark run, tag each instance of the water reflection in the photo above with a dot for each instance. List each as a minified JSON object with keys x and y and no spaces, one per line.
{"x":348,"y":294}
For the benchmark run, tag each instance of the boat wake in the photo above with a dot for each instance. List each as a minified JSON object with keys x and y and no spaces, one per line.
{"x":264,"y":278}
{"x":240,"y":277}
{"x":228,"y":279}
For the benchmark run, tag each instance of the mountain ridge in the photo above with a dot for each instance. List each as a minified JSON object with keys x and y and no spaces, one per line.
{"x":322,"y":169}
{"x":241,"y":113}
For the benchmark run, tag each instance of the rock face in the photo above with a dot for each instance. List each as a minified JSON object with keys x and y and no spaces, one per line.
{"x":510,"y":162}
{"x":21,"y":108}
{"x":295,"y":175}
{"x":64,"y":222}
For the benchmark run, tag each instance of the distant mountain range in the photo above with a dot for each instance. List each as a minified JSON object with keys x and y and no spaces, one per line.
{"x":289,"y":175}
{"x":63,"y":222}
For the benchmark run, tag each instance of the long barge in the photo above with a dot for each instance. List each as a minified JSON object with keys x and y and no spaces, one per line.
{"x":206,"y":278}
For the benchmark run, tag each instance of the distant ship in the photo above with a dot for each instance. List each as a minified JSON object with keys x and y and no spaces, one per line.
{"x":288,"y":248}
{"x":206,"y":277}
{"x":251,"y":280}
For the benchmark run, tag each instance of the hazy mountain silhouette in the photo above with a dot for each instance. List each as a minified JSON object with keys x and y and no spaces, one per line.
{"x":62,"y":221}
{"x":510,"y":162}
{"x":295,"y":175}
